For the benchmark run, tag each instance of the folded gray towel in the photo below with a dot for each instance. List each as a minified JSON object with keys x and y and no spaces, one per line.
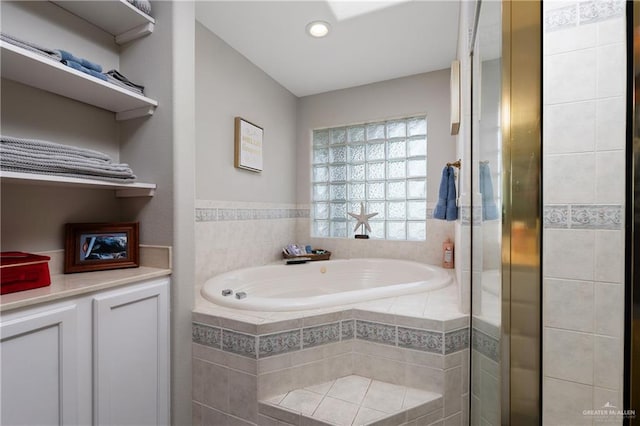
{"x":119,"y":83}
{"x":31,"y":47}
{"x":52,"y":147}
{"x":35,"y":156}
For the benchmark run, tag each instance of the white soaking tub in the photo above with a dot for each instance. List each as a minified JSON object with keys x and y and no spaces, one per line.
{"x":322,"y":284}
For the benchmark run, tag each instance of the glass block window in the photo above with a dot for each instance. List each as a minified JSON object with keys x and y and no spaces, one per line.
{"x":383,"y":165}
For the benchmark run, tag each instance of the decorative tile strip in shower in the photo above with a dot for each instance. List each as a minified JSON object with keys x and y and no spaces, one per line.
{"x":596,"y":217}
{"x":583,"y":216}
{"x":556,"y":216}
{"x":422,"y":340}
{"x":220,"y":214}
{"x":206,"y":335}
{"x":320,"y":335}
{"x":600,"y":10}
{"x":348,"y":329}
{"x":239,"y":343}
{"x":278,"y":343}
{"x":559,"y":19}
{"x":486,"y":345}
{"x":456,"y":340}
{"x":376,"y":332}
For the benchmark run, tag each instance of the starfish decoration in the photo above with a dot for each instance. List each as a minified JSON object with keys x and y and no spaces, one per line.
{"x":362,"y":218}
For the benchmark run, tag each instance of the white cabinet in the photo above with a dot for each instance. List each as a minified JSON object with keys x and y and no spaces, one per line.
{"x":112,"y":347}
{"x":131,"y":356}
{"x":38,"y":355}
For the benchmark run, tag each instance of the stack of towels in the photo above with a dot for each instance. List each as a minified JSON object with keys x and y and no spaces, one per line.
{"x":44,"y":157}
{"x":80,"y":64}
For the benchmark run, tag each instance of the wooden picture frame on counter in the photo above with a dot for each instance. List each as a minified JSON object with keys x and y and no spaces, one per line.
{"x":248,"y":145}
{"x":101,"y":246}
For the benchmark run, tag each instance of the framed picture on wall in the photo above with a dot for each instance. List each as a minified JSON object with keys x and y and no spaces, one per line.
{"x":248,"y":145}
{"x":100,"y":246}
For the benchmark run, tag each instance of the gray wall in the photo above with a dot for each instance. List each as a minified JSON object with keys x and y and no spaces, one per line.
{"x":228,"y":85}
{"x":33,"y":216}
{"x":426,"y":93}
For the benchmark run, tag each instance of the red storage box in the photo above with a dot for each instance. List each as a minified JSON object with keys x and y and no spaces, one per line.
{"x":23,"y":271}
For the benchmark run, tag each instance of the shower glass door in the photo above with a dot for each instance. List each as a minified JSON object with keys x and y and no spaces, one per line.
{"x":486,"y":223}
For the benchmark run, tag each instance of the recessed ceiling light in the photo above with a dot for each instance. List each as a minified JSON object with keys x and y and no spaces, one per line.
{"x":318,"y":29}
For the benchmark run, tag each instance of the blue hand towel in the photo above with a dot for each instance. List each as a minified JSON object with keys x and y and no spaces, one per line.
{"x":489,"y":209}
{"x":79,"y":67}
{"x":67,"y":56}
{"x":452,"y":206}
{"x":440,"y":212}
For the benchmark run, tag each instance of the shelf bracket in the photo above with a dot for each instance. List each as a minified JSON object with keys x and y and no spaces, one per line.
{"x":135,"y":33}
{"x":135,"y":113}
{"x":135,"y":192}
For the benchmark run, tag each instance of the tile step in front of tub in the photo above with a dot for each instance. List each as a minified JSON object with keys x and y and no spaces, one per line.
{"x":352,"y":400}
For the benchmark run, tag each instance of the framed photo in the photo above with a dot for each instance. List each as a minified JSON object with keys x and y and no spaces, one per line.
{"x":100,"y":246}
{"x":248,"y":141}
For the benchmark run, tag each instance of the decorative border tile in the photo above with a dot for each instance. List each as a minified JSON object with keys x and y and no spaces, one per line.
{"x":596,"y":217}
{"x":464,"y":215}
{"x":559,"y":19}
{"x":320,"y":335}
{"x":556,"y":216}
{"x":422,"y":340}
{"x":227,"y":214}
{"x":601,"y":10}
{"x":245,"y":214}
{"x":261,"y":346}
{"x":206,"y":335}
{"x":206,"y":215}
{"x":486,"y":345}
{"x":456,"y":340}
{"x":376,"y":332}
{"x":219,"y":214}
{"x":348,"y":329}
{"x":278,"y":343}
{"x":239,"y":343}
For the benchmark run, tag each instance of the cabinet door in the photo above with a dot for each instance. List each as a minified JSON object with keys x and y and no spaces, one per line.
{"x":38,"y":381}
{"x":131,"y":355}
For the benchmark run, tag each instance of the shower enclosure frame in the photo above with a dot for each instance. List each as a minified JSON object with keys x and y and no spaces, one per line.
{"x":521,"y":366}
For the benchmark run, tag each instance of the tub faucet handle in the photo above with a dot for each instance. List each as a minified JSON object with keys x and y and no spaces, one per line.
{"x":227,"y":292}
{"x":241,"y":295}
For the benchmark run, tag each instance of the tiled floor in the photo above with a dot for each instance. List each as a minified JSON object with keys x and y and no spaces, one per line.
{"x":353,"y":400}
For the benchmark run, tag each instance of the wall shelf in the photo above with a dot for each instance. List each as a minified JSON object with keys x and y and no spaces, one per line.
{"x":117,"y":17}
{"x":123,"y":190}
{"x":43,"y":73}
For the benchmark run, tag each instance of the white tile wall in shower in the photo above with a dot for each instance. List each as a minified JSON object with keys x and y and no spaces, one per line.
{"x":570,"y":128}
{"x":583,"y":195}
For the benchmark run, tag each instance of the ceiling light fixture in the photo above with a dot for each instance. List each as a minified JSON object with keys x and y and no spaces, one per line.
{"x":318,"y":29}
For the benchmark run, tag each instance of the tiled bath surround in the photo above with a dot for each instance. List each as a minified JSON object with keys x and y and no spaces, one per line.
{"x":428,"y":251}
{"x":584,"y":163}
{"x":233,"y":235}
{"x":240,"y":358}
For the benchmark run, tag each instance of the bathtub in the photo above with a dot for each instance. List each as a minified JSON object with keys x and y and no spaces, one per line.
{"x":322,"y":284}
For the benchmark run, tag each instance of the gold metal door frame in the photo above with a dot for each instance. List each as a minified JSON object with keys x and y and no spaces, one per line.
{"x":632,"y":290}
{"x":522,"y":212}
